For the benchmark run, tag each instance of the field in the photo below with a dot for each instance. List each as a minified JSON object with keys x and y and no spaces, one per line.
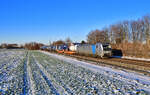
{"x":39,"y":73}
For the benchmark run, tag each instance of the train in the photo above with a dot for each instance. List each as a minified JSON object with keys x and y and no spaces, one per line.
{"x":97,"y":50}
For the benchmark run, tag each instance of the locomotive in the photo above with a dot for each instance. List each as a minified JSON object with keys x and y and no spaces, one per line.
{"x":98,"y":50}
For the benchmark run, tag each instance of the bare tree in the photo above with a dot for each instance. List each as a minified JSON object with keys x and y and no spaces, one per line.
{"x":118,"y":34}
{"x":97,"y":36}
{"x":68,"y":41}
{"x":59,"y":42}
{"x":146,"y":20}
{"x":33,"y":46}
{"x":126,"y":30}
{"x":134,"y":25}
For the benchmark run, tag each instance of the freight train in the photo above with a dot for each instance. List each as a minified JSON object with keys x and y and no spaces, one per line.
{"x":97,"y":50}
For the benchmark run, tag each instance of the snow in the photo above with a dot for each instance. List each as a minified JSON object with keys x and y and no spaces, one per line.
{"x":123,"y":75}
{"x":43,"y":73}
{"x":133,"y":58}
{"x":48,"y":75}
{"x":32,"y":85}
{"x":11,"y":69}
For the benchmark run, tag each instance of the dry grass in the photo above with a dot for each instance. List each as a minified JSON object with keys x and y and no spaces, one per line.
{"x":133,"y":49}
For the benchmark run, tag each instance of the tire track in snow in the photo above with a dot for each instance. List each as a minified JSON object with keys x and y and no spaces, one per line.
{"x":32,"y":85}
{"x":44,"y":75}
{"x":25,"y":81}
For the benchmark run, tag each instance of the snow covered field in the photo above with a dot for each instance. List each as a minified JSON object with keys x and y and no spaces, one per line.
{"x":42,"y":73}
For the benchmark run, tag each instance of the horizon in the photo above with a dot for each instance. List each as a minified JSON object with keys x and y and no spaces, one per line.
{"x":43,"y":21}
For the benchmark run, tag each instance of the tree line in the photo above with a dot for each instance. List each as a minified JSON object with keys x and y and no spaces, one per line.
{"x":132,"y":37}
{"x":129,"y":31}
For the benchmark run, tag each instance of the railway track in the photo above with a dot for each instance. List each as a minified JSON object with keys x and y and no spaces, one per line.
{"x":134,"y":62}
{"x":133,"y":65}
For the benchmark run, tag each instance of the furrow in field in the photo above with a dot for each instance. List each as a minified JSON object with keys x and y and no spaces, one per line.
{"x":41,"y":83}
{"x":45,"y":76}
{"x":26,"y":85}
{"x":56,"y":79}
{"x":60,"y":89}
{"x":30,"y":77}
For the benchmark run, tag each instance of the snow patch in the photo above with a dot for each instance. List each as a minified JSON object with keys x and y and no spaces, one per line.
{"x":133,"y":58}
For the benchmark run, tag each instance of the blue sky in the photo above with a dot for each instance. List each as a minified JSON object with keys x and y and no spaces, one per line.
{"x":43,"y":20}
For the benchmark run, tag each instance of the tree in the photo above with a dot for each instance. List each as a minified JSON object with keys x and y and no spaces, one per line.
{"x":135,"y":31}
{"x":126,"y":31}
{"x":59,"y":42}
{"x":118,"y":33}
{"x":4,"y":45}
{"x":97,"y":36}
{"x":83,"y":42}
{"x":68,"y":41}
{"x":33,"y":46}
{"x":146,"y":20}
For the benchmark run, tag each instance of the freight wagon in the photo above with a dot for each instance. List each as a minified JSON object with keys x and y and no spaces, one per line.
{"x":98,"y":49}
{"x":61,"y":47}
{"x":73,"y":46}
{"x":45,"y":48}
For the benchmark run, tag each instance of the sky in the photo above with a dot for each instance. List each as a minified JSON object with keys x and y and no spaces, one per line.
{"x":42,"y":21}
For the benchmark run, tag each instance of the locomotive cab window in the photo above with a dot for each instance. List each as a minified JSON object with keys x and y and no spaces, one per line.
{"x":107,"y":47}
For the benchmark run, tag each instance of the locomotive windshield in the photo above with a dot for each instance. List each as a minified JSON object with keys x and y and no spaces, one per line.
{"x":106,"y":47}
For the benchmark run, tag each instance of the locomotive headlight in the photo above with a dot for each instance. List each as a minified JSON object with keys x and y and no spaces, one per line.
{"x":109,"y":46}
